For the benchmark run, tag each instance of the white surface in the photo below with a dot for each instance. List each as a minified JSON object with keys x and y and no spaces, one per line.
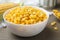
{"x":32,"y":2}
{"x":2,"y":1}
{"x":15,"y":1}
{"x":27,"y":30}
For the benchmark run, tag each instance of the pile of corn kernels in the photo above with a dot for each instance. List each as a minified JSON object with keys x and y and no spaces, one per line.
{"x":57,"y":13}
{"x":25,"y":15}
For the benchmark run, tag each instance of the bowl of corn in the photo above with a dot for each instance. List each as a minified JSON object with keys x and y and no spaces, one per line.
{"x":26,"y":21}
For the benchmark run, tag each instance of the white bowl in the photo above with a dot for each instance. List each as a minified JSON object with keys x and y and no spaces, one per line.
{"x":26,"y":30}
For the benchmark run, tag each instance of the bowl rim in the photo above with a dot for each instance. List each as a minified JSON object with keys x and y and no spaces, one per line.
{"x":26,"y":24}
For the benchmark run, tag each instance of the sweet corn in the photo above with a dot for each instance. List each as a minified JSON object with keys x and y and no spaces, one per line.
{"x":5,"y":6}
{"x":53,"y":23}
{"x":55,"y":28}
{"x":25,"y":15}
{"x":57,"y":14}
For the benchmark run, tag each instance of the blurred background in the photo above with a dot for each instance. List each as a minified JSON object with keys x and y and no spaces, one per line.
{"x":42,"y":3}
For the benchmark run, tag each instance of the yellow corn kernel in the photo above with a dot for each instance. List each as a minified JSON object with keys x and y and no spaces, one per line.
{"x":15,"y":22}
{"x":53,"y":23}
{"x":31,"y":21}
{"x":55,"y":11}
{"x":55,"y":28}
{"x":22,"y":23}
{"x":9,"y":19}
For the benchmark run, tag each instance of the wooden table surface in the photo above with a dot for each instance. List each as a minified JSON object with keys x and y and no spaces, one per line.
{"x":47,"y":34}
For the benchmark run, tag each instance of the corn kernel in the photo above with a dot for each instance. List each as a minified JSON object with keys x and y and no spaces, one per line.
{"x":57,"y":13}
{"x":53,"y":23}
{"x":55,"y":28}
